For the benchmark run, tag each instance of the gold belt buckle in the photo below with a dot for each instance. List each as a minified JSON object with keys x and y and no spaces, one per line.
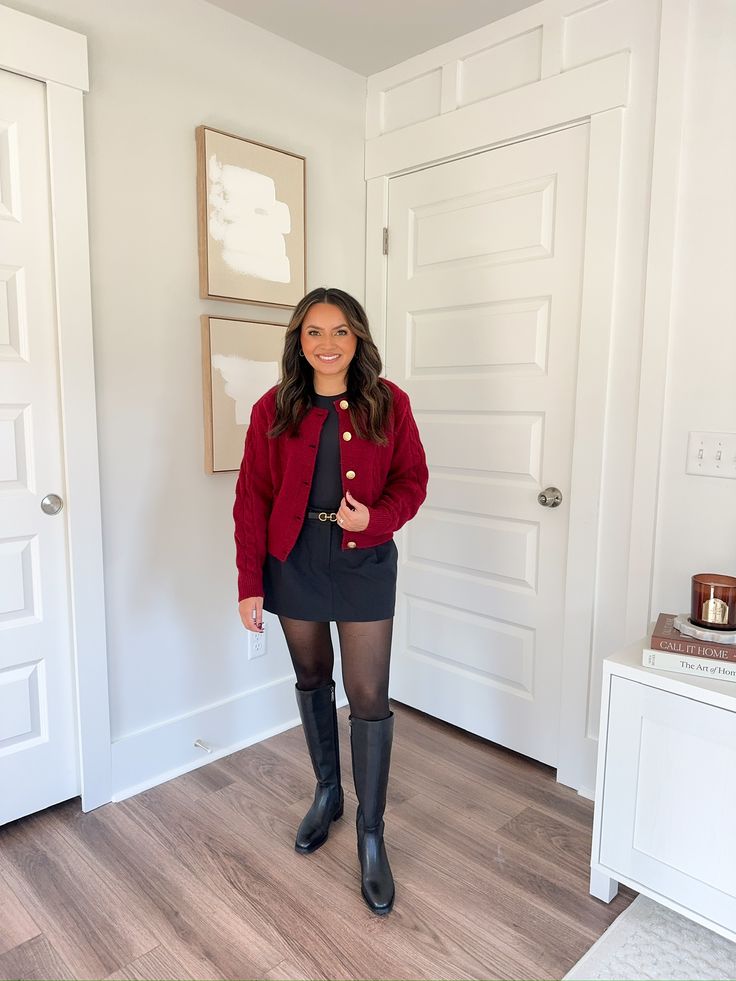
{"x":328,"y":515}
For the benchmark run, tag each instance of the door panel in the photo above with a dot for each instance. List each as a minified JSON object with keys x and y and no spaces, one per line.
{"x":484,"y":282}
{"x":38,"y":753}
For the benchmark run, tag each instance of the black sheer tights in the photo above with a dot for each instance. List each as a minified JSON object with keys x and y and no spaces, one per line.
{"x":365,"y":649}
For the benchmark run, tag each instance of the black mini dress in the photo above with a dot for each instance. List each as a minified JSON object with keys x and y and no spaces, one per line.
{"x":320,"y":580}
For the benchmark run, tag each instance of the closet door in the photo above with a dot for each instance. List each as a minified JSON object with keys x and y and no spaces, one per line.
{"x":38,"y":741}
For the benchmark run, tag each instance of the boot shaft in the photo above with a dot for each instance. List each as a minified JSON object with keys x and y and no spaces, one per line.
{"x":318,"y":713}
{"x":370,"y":744}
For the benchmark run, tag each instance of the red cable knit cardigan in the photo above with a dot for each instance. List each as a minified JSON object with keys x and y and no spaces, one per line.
{"x":272,"y":491}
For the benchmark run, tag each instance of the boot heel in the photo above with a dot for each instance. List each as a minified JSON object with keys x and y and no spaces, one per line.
{"x":338,"y":813}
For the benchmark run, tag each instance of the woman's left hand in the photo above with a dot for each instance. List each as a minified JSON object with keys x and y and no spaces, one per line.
{"x":352,"y":516}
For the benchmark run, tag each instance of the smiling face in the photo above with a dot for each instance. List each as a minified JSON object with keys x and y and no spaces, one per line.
{"x":329,"y":346}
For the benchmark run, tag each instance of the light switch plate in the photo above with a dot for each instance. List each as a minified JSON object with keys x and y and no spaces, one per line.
{"x":711,"y":454}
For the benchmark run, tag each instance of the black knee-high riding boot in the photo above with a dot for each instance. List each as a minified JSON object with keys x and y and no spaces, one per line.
{"x":319,"y":719}
{"x":370,"y":743}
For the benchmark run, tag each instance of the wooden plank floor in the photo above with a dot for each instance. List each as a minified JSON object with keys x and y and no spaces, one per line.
{"x":198,"y":878}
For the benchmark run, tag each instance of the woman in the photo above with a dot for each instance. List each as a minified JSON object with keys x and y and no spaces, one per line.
{"x":333,"y":466}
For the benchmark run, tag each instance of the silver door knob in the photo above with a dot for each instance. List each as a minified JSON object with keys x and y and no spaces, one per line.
{"x":52,"y":504}
{"x":550,"y":497}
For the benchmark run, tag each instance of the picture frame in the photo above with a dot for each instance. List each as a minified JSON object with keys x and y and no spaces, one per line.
{"x":241,"y":360}
{"x":250,"y":219}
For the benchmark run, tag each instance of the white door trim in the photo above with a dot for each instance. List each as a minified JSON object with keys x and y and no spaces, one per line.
{"x":36,"y":48}
{"x":666,"y":158}
{"x":531,"y":110}
{"x":58,"y":57}
{"x":577,"y":751}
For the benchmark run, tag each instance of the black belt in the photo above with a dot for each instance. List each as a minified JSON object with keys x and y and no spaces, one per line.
{"x":323,"y":515}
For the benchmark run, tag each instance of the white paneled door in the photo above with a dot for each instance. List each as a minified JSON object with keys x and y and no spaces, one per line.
{"x":38,"y":745}
{"x":483,"y":316}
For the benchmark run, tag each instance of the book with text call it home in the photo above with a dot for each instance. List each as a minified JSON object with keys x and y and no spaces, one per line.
{"x":702,"y":667}
{"x":666,"y":638}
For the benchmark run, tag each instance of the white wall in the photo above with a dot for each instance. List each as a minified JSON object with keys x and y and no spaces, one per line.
{"x":697,"y":515}
{"x":158,"y":70}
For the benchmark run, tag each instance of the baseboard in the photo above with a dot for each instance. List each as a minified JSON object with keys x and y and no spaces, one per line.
{"x":152,"y":756}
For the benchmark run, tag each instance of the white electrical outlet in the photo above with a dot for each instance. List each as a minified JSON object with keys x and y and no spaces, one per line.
{"x":711,"y":454}
{"x":256,"y":644}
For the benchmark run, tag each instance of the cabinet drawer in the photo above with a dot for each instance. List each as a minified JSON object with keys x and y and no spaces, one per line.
{"x":669,"y":797}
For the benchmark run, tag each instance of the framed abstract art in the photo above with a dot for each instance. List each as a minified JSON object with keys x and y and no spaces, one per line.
{"x":241,"y":360}
{"x":250,"y":202}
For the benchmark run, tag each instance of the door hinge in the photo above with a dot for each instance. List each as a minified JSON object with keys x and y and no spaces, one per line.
{"x":385,"y":241}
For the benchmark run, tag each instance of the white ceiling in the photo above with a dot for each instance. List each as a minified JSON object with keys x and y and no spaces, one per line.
{"x":370,"y":35}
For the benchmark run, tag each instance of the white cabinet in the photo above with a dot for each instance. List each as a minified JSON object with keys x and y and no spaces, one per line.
{"x":665,"y":804}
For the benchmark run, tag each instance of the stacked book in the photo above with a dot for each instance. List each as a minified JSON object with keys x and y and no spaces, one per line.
{"x":671,"y":650}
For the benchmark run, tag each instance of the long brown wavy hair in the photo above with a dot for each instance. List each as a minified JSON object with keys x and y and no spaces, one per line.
{"x":369,"y":396}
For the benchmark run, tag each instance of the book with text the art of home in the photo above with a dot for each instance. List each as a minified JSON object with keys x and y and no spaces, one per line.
{"x":701,"y":667}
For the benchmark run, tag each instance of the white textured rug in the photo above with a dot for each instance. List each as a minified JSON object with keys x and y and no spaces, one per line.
{"x":650,"y":941}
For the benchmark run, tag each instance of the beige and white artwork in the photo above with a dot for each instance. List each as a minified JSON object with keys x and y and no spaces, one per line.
{"x":242,"y":360}
{"x":248,"y":221}
{"x":251,"y":202}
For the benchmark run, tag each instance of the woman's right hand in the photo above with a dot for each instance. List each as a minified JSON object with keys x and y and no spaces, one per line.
{"x":251,"y":613}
